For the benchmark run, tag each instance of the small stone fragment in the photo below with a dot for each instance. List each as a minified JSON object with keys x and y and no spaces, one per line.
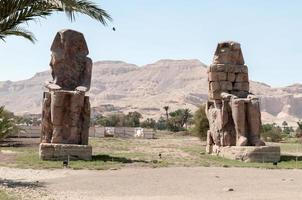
{"x":226,"y":189}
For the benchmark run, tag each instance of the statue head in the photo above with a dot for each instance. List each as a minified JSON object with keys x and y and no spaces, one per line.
{"x":71,"y":68}
{"x":70,"y":42}
{"x":228,"y":53}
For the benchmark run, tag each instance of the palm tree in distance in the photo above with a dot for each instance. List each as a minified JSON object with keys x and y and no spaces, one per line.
{"x":13,"y":13}
{"x":166,"y":108}
{"x":186,"y":116}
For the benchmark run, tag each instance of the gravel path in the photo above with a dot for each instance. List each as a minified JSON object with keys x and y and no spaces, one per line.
{"x":150,"y":184}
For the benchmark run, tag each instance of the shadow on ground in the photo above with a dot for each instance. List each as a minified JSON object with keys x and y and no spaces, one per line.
{"x":108,"y":158}
{"x":290,"y":158}
{"x":20,"y":184}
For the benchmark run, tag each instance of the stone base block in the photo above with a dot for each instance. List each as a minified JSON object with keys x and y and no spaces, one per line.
{"x":49,"y":151}
{"x":251,"y":153}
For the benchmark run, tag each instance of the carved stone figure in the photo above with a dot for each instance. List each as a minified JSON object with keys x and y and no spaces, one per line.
{"x":66,"y":109}
{"x":233,"y":112}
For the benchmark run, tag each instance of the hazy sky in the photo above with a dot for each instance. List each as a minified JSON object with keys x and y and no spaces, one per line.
{"x":270,"y":33}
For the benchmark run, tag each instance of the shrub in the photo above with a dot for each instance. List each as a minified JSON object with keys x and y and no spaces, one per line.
{"x":161,"y":124}
{"x":201,"y":123}
{"x":271,"y":136}
{"x":7,"y":123}
{"x":298,"y":131}
{"x":132,"y":119}
{"x":271,"y":133}
{"x":149,"y":123}
{"x":179,"y":120}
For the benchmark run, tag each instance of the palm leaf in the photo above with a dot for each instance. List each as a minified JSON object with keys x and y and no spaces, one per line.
{"x":80,"y":6}
{"x":13,"y":13}
{"x":18,"y":31}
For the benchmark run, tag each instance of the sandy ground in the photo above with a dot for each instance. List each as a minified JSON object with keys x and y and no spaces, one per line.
{"x":162,"y":183}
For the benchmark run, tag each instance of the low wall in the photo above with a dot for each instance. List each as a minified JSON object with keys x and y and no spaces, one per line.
{"x":122,"y":132}
{"x":99,"y":132}
{"x":27,"y":132}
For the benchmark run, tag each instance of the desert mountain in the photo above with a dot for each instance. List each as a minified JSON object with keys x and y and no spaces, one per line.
{"x":119,"y":86}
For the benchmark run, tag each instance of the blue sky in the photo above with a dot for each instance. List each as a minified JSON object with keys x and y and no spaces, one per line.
{"x":270,"y":33}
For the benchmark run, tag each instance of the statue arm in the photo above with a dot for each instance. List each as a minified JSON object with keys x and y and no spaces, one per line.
{"x":252,"y":97}
{"x":86,"y":80}
{"x":52,"y":86}
{"x":227,"y":96}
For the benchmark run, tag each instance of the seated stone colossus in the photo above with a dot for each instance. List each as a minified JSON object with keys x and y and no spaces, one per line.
{"x":233,"y":112}
{"x":66,"y":109}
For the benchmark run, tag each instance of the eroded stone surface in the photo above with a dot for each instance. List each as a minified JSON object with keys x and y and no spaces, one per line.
{"x":49,"y":151}
{"x":71,"y":68}
{"x":251,"y":153}
{"x":233,"y":113}
{"x":66,"y":109}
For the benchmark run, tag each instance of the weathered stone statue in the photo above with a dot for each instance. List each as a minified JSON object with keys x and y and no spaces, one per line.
{"x":66,"y":109}
{"x":233,"y":112}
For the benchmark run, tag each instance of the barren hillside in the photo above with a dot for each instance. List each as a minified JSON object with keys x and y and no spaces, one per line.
{"x":119,"y":86}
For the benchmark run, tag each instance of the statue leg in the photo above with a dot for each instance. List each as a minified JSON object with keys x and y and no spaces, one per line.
{"x":46,"y":133}
{"x":239,"y":118}
{"x":57,"y":116}
{"x":254,"y":122}
{"x":86,"y":122}
{"x":228,"y":131}
{"x":210,"y":143}
{"x":76,"y":109}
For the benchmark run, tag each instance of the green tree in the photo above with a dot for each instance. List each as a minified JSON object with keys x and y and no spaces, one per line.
{"x":161,"y":124}
{"x":286,"y":128}
{"x":178,"y":119}
{"x":14,"y":13}
{"x":23,"y":120}
{"x":267,"y":127}
{"x":299,"y":123}
{"x":112,"y":120}
{"x":201,"y":123}
{"x":133,"y":119}
{"x":102,"y":121}
{"x":7,"y":123}
{"x":284,"y":124}
{"x":299,"y":129}
{"x":149,"y":123}
{"x":187,"y":116}
{"x":271,"y":133}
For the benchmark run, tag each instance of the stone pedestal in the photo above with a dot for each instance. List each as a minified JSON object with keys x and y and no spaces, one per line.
{"x":250,"y":153}
{"x":48,"y":151}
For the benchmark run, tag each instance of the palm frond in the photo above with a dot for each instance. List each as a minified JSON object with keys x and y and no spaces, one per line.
{"x":70,"y":7}
{"x":18,"y":31}
{"x":13,"y":13}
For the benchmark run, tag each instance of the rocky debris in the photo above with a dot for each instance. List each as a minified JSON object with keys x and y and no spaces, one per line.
{"x":227,"y":189}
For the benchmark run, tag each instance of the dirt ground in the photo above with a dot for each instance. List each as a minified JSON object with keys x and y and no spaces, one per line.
{"x":136,"y":181}
{"x":173,"y":183}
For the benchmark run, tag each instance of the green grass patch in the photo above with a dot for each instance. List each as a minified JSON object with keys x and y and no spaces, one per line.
{"x":291,"y":148}
{"x":6,"y":196}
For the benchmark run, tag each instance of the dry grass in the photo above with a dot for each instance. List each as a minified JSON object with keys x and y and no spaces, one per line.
{"x":167,"y":150}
